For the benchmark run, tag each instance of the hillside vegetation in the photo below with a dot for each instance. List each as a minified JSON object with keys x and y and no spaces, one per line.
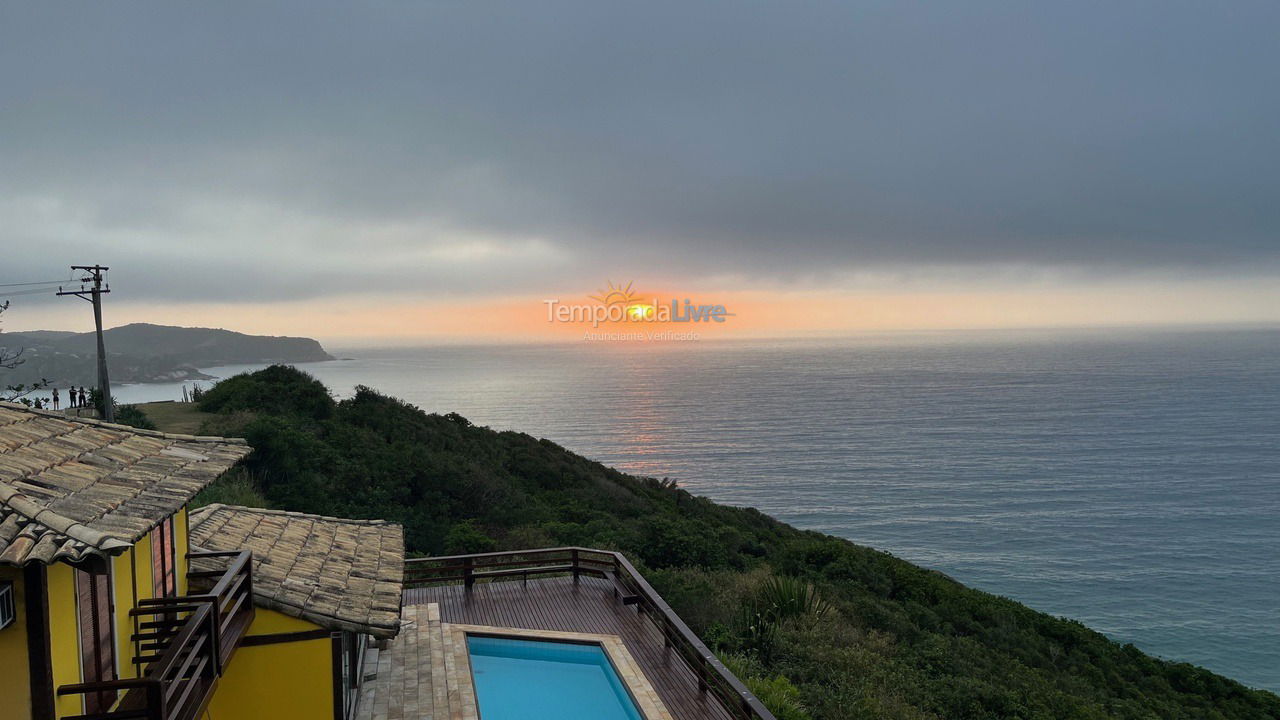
{"x":822,"y":628}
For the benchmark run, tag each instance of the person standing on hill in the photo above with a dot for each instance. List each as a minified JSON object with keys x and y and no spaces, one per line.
{"x":55,"y":399}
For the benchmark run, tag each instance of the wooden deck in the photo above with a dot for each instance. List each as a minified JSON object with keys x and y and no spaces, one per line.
{"x":589,"y":607}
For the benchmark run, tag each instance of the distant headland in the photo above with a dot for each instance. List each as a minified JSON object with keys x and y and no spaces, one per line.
{"x":142,"y":352}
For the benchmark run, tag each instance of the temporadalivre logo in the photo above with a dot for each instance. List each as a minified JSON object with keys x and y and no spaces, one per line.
{"x":619,"y":303}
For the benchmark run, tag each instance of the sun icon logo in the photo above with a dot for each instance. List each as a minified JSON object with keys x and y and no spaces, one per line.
{"x":615,"y":295}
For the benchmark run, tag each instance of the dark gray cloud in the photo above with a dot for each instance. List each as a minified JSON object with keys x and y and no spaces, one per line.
{"x":285,"y":149}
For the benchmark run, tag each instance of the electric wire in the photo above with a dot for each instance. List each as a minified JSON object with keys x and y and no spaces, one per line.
{"x":36,"y":291}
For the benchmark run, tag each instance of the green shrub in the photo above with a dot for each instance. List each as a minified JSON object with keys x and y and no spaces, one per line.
{"x":670,"y":542}
{"x":464,"y":538}
{"x":776,"y":692}
{"x":235,"y":487}
{"x":278,"y":389}
{"x":132,"y":416}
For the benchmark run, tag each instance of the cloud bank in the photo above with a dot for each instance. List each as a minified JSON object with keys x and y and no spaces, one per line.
{"x":291,"y":150}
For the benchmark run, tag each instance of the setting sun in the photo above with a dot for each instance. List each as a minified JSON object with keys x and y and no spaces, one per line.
{"x":641,"y":312}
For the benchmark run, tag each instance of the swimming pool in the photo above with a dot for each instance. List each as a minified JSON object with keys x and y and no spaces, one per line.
{"x":542,"y":680}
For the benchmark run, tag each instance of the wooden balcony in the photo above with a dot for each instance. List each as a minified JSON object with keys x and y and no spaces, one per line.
{"x":182,"y":643}
{"x":584,"y":590}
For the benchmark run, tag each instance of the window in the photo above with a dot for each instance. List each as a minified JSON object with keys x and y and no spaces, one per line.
{"x":164,"y":572}
{"x":7,"y":611}
{"x":97,"y":635}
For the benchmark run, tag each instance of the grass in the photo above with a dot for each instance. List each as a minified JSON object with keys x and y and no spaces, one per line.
{"x":174,"y":417}
{"x":236,"y":487}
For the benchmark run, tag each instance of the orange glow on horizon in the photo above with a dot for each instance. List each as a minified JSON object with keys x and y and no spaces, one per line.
{"x":755,"y":313}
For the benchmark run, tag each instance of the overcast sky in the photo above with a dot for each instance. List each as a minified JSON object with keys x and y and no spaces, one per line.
{"x":265,"y":152}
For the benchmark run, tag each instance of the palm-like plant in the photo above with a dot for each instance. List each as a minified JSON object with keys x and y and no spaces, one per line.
{"x":779,"y":600}
{"x":788,"y":598}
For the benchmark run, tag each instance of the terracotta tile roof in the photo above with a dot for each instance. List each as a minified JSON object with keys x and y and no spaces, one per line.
{"x":71,"y":487}
{"x":340,"y":574}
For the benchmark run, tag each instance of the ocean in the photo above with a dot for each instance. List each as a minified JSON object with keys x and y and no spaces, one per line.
{"x":1129,"y":479}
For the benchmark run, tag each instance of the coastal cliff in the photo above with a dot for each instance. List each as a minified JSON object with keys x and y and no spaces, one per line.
{"x":142,"y":352}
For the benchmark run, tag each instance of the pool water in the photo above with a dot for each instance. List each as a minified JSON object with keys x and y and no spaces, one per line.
{"x":539,"y":680}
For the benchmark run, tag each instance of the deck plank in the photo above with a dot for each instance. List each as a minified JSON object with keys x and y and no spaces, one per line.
{"x":587,"y":606}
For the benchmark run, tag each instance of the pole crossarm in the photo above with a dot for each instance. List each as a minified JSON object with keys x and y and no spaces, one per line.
{"x":94,"y":293}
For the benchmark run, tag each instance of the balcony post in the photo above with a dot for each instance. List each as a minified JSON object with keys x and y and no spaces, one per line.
{"x":248,"y":580}
{"x":155,"y":701}
{"x":215,"y":639}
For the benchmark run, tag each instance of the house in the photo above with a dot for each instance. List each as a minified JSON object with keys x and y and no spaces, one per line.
{"x":116,"y":601}
{"x":324,"y":587}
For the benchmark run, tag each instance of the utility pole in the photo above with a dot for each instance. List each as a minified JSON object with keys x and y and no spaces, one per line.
{"x":95,"y":293}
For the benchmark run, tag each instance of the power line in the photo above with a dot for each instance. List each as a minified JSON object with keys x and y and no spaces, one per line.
{"x":36,"y":291}
{"x":45,"y":282}
{"x":33,"y":288}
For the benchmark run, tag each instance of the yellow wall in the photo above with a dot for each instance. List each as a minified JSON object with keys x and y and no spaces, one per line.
{"x":142,"y":556}
{"x":182,"y":546}
{"x":125,"y":599}
{"x":15,"y":679}
{"x":64,"y":636}
{"x":284,"y":681}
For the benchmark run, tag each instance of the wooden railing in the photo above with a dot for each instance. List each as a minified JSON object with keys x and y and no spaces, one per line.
{"x":629,"y":585}
{"x":230,"y":596}
{"x":182,"y":643}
